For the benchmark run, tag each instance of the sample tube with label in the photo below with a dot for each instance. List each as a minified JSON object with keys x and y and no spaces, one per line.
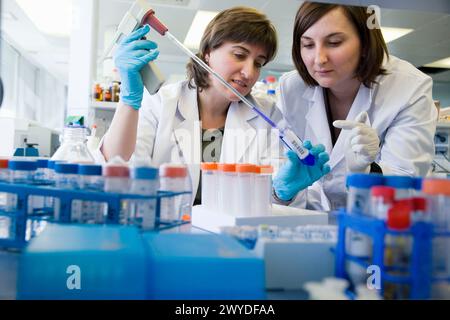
{"x":358,"y":202}
{"x":174,"y":178}
{"x":142,"y":213}
{"x":437,"y":192}
{"x":91,"y":179}
{"x":66,"y":177}
{"x":398,"y":248}
{"x":117,"y":180}
{"x":40,"y":178}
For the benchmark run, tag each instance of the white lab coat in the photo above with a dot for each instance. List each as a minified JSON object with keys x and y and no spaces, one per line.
{"x":400,"y":108}
{"x":173,"y":110}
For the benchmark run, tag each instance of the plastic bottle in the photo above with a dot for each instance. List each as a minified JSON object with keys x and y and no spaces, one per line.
{"x":142,"y":213}
{"x":66,"y":177}
{"x":91,"y":179}
{"x":117,"y":180}
{"x":398,"y":247}
{"x":358,"y":202}
{"x":437,"y":192}
{"x":404,"y":186}
{"x":210,"y":180}
{"x":438,"y":196}
{"x":245,"y":189}
{"x":382,"y":199}
{"x":227,"y":188}
{"x":174,"y":178}
{"x":263,"y":191}
{"x":73,"y":147}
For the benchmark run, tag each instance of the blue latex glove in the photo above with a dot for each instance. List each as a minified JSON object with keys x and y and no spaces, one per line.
{"x":295,"y":176}
{"x":130,"y":57}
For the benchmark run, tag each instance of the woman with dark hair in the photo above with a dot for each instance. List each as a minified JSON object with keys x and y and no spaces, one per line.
{"x":199,"y":118}
{"x":372,"y":111}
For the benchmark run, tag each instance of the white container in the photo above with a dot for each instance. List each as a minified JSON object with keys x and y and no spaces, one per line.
{"x":245,"y":189}
{"x":73,"y":146}
{"x":117,"y":180}
{"x":262,"y":203}
{"x":174,"y":178}
{"x":91,"y":179}
{"x":210,"y":181}
{"x":227,"y":189}
{"x":143,"y":212}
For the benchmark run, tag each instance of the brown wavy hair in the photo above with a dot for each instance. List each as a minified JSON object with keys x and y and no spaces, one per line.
{"x":373,"y":46}
{"x":238,"y":24}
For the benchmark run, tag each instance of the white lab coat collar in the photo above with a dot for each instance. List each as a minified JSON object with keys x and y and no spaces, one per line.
{"x":317,"y":117}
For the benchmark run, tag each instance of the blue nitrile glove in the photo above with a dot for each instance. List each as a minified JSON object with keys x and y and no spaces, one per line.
{"x":130,"y":57}
{"x":295,"y":176}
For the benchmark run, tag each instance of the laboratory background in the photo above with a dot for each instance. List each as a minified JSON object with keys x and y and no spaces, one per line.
{"x":72,"y":227}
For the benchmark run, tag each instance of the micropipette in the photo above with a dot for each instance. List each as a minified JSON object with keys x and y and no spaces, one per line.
{"x":286,"y":134}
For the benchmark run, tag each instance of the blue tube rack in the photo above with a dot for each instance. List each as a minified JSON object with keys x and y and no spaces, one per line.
{"x":114,"y":200}
{"x":419,"y":277}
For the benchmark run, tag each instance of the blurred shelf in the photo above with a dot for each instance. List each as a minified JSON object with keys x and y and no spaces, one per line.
{"x":104,"y":105}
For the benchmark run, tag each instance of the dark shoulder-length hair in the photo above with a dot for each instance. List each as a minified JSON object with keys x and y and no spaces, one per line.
{"x":238,"y":24}
{"x":373,"y":46}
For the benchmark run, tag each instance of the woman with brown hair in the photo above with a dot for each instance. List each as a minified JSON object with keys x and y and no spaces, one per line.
{"x":372,"y":111}
{"x":199,"y":120}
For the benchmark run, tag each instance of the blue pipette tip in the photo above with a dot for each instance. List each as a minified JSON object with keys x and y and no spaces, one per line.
{"x":309,"y":160}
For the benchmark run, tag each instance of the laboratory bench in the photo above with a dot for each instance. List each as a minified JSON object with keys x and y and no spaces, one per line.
{"x":10,"y":266}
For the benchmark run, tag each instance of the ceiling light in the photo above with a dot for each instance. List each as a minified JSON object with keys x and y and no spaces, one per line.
{"x":443,"y":63}
{"x":391,"y":34}
{"x":52,"y":17}
{"x":198,"y":26}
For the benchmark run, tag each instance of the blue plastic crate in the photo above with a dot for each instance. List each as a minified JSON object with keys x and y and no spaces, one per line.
{"x":202,"y":266}
{"x":83,"y":262}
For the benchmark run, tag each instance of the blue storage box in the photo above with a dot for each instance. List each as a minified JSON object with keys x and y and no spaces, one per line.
{"x":202,"y":266}
{"x":83,"y":262}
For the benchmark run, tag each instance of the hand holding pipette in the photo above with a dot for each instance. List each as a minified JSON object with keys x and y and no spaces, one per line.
{"x":133,"y":54}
